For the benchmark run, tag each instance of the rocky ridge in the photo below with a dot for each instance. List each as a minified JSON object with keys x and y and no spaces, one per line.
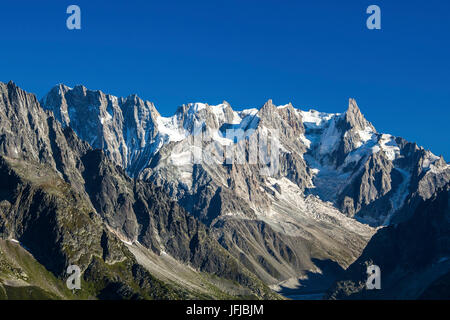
{"x":66,"y":204}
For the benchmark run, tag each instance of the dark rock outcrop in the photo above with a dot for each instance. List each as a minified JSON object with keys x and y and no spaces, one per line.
{"x":413,"y":256}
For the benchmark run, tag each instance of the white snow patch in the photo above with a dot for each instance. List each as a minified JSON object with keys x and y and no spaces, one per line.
{"x":389,"y":146}
{"x":305,"y":141}
{"x":196,"y":107}
{"x":430,"y":159}
{"x":218,"y":137}
{"x":182,"y":158}
{"x":366,"y":134}
{"x":248,"y":112}
{"x":330,"y":138}
{"x":169,"y":127}
{"x":313,"y":118}
{"x":219,"y":112}
{"x":321,"y":130}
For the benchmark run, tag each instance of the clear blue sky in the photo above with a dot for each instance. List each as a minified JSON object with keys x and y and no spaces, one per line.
{"x":311,"y":53}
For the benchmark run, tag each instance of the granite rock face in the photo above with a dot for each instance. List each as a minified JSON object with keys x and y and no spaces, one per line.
{"x":69,"y":204}
{"x":122,"y":127}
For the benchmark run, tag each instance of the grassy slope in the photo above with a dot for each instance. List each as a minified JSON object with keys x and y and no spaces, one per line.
{"x":22,"y":277}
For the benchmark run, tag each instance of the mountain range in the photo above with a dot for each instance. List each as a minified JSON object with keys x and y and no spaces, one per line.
{"x":110,"y":185}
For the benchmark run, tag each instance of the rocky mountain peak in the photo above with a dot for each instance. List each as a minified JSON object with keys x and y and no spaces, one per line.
{"x":16,"y":94}
{"x":268,"y":113}
{"x":195,"y":115}
{"x":142,"y":106}
{"x":122,"y":127}
{"x":268,"y":106}
{"x":355,"y":119}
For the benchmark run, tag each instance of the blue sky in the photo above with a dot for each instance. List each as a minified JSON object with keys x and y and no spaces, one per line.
{"x":315,"y":54}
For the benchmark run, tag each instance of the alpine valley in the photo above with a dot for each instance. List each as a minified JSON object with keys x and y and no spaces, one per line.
{"x":108,"y":184}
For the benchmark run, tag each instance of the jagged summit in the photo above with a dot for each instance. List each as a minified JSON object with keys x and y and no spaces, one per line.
{"x":120,"y":126}
{"x":355,"y":118}
{"x":317,"y":147}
